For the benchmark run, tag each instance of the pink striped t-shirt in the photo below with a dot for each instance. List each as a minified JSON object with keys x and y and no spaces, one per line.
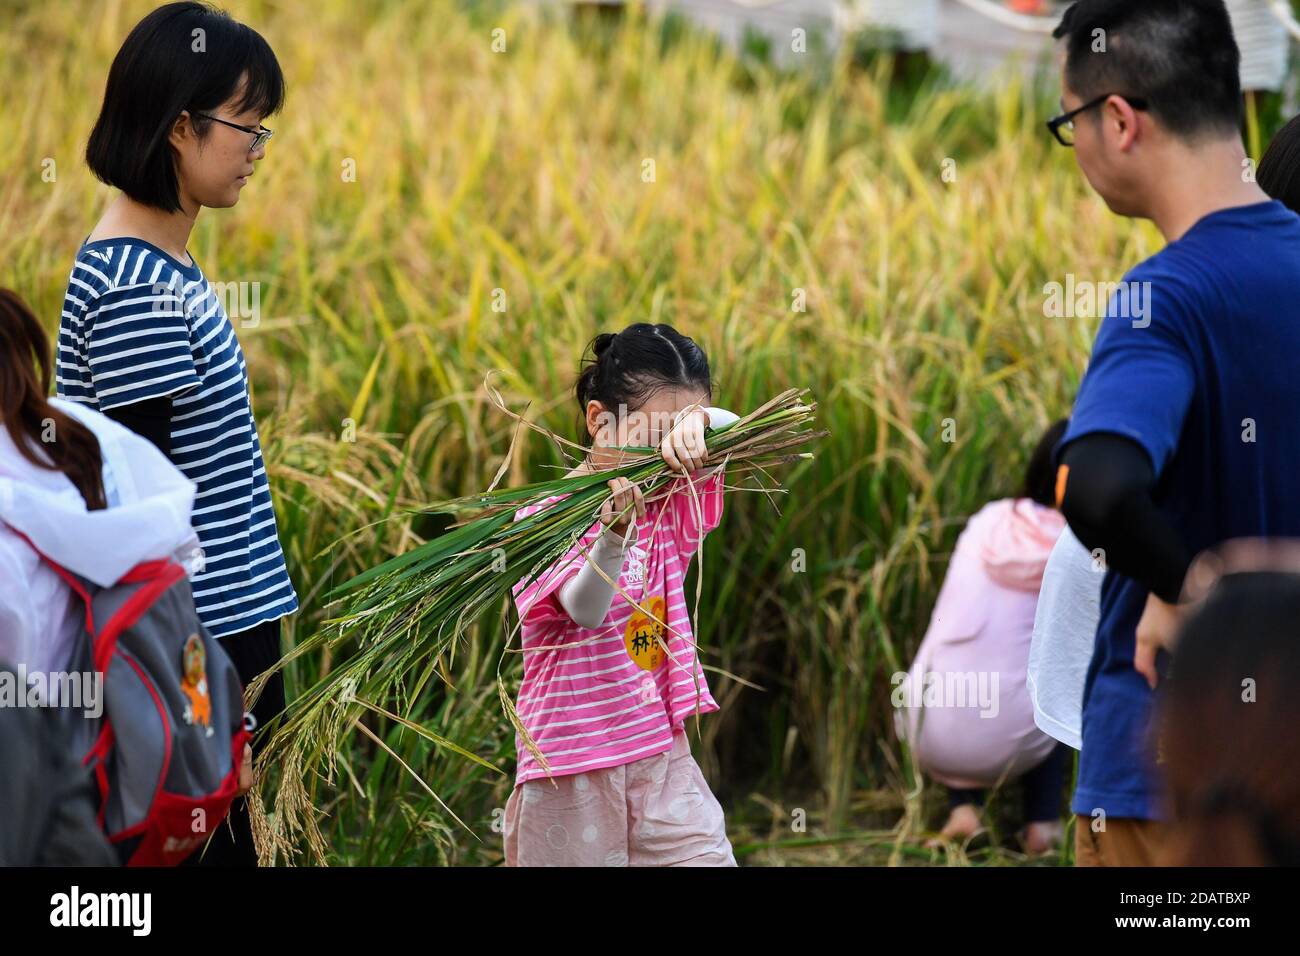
{"x":619,"y":697}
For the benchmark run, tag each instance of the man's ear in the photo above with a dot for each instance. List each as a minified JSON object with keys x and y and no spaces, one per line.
{"x":1123,"y":120}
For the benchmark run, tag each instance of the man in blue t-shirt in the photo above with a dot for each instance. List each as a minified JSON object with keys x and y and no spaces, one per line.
{"x":1184,"y":433}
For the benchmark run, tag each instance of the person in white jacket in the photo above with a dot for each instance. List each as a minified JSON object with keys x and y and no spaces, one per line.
{"x":147,"y":499}
{"x":147,"y":517}
{"x":97,"y":499}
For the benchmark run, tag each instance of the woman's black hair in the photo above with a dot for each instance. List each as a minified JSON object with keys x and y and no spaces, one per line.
{"x":1040,"y":476}
{"x":1279,"y":170}
{"x":632,"y":365}
{"x":182,"y":56}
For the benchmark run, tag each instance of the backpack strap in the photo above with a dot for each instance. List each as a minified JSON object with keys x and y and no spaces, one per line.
{"x":156,"y":575}
{"x":154,"y":578}
{"x":71,"y":580}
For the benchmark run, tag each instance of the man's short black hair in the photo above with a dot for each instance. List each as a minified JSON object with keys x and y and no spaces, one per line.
{"x":1179,"y":55}
{"x":182,"y":56}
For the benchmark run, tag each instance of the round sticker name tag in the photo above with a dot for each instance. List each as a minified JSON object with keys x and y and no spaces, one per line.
{"x":644,"y":633}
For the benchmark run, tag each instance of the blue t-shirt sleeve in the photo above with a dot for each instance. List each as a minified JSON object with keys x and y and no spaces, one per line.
{"x":138,"y":346}
{"x":1140,"y":378}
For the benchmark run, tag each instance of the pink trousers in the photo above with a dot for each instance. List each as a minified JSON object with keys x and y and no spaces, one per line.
{"x":656,"y":811}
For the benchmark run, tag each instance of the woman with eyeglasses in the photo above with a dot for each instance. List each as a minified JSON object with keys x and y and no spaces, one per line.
{"x":145,"y":339}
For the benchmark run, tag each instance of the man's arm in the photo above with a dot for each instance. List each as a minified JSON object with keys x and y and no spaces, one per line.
{"x":1104,"y":491}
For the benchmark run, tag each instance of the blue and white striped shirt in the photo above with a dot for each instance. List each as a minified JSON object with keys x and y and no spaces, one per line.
{"x":138,"y":324}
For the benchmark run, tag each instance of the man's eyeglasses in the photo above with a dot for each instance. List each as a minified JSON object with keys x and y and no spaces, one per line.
{"x":1062,"y":126}
{"x":260,"y":134}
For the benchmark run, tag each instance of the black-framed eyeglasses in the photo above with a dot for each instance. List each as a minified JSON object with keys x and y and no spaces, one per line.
{"x":260,"y":133}
{"x":1062,"y":127}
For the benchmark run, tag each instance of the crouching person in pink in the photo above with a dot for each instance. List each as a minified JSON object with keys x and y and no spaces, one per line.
{"x":964,"y":708}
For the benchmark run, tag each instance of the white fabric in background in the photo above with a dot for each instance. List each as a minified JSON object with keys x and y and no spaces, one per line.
{"x":1263,"y":42}
{"x":148,"y":518}
{"x":1065,"y":630}
{"x":915,"y":21}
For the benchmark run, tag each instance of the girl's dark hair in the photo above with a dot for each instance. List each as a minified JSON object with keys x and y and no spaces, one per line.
{"x":1040,"y":476}
{"x":25,"y":369}
{"x":1229,"y":755}
{"x":1279,"y":170}
{"x":632,"y":365}
{"x":182,"y":56}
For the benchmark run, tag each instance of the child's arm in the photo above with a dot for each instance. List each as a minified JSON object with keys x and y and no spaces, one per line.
{"x":715,"y":418}
{"x":696,"y":500}
{"x":587,"y":596}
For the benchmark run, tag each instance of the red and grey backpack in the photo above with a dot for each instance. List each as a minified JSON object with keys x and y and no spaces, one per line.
{"x":167,"y":744}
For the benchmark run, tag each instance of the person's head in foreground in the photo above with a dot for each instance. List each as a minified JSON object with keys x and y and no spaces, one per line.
{"x":43,"y":435}
{"x":1279,"y":170}
{"x":636,"y":386}
{"x":1040,"y":477}
{"x":1228,"y":718}
{"x":1146,"y":86}
{"x":181,"y":123}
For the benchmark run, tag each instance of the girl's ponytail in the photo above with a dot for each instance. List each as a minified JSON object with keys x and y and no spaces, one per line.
{"x":26,"y":412}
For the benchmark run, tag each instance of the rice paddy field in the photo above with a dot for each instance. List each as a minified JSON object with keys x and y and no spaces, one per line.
{"x":798,"y":224}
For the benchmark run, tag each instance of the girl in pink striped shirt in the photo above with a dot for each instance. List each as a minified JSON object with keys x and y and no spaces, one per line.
{"x":607,"y":687}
